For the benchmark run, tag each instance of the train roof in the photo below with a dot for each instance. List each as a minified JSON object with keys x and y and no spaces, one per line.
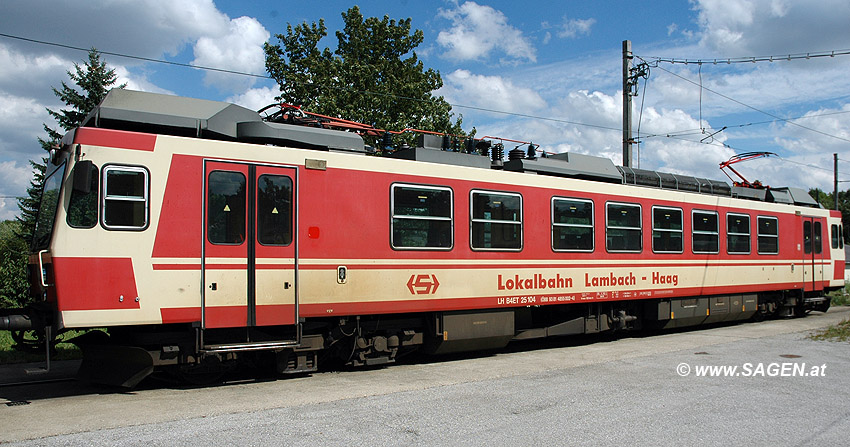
{"x":155,"y":113}
{"x":174,"y":115}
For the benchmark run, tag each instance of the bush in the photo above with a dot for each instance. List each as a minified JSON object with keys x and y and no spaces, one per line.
{"x":14,"y":288}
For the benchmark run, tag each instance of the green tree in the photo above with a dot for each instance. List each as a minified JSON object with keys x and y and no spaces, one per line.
{"x":93,"y":79}
{"x":374,"y":76}
{"x":13,"y":265}
{"x":827,"y":200}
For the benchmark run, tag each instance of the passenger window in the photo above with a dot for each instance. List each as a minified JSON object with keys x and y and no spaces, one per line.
{"x":125,"y":198}
{"x":572,"y":224}
{"x":705,"y":233}
{"x":82,"y":207}
{"x":666,"y":230}
{"x":274,"y":210}
{"x":623,"y":227}
{"x":834,"y":235}
{"x":737,"y":234}
{"x":768,"y":235}
{"x":421,"y":217}
{"x":226,"y":208}
{"x":496,"y":221}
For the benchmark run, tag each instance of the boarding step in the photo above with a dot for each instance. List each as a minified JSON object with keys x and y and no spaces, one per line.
{"x":815,"y":299}
{"x":250,"y":346}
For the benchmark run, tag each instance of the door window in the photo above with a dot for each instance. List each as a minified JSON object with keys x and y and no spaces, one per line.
{"x":274,"y":210}
{"x":226,"y":208}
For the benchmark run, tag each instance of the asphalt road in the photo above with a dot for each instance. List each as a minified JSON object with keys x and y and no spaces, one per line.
{"x":786,"y":390}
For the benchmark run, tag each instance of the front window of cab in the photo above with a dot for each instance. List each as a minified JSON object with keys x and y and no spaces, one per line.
{"x":48,"y":207}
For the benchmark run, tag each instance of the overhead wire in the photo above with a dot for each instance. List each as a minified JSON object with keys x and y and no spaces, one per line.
{"x":654,"y":60}
{"x":695,"y":131}
{"x":778,"y":118}
{"x":754,"y":59}
{"x":234,"y":72}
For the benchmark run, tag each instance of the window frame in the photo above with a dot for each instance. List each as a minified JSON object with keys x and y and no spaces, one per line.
{"x":41,"y":240}
{"x":473,"y":220}
{"x":208,"y":213}
{"x":716,"y":233}
{"x":592,"y":225}
{"x":104,"y":196}
{"x":817,"y":236}
{"x":759,"y":235}
{"x":257,"y":223}
{"x":748,"y":234}
{"x":450,"y":219}
{"x":72,"y":194}
{"x":833,"y":236}
{"x":608,"y":227}
{"x":681,"y":231}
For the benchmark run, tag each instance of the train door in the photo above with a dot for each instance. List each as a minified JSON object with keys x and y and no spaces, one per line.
{"x":250,"y":256}
{"x":812,"y":253}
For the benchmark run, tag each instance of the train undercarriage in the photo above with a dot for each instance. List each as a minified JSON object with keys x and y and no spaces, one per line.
{"x":124,"y":356}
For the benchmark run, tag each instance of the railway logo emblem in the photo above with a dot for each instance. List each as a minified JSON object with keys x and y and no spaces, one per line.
{"x":422,"y":284}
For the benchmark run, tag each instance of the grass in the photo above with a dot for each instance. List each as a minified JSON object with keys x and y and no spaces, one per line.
{"x":840,"y":331}
{"x":64,"y":351}
{"x":841,"y":297}
{"x":836,"y":332}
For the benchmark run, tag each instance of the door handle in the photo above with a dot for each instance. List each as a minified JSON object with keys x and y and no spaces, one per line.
{"x":286,"y":285}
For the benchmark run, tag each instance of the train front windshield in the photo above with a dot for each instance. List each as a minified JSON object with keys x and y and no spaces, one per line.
{"x":48,"y":207}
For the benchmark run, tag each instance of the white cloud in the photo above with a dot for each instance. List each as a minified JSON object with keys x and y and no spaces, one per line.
{"x":16,"y":175}
{"x":255,"y":98}
{"x":672,"y":28}
{"x":238,"y":47}
{"x":574,"y":27}
{"x":15,"y":179}
{"x":479,"y":30}
{"x":27,"y":74}
{"x":489,"y":92}
{"x":147,"y":28}
{"x":768,"y":27}
{"x":133,"y":81}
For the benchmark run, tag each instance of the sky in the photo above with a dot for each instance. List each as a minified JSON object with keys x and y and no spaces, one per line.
{"x":547,"y":72}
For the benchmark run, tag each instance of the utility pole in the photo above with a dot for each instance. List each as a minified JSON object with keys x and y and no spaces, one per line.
{"x":835,"y":184}
{"x":627,"y":103}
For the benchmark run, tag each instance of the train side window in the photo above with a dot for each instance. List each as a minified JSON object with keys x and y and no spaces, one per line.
{"x":421,"y":217}
{"x":705,"y":234}
{"x":572,"y":224}
{"x":82,"y":207}
{"x":834,"y":235}
{"x":666,"y":230}
{"x":623,"y":231}
{"x":496,"y":221}
{"x":125,"y":198}
{"x":841,"y":237}
{"x":226,"y":208}
{"x":737,"y":234}
{"x":768,"y":235}
{"x":274,"y":209}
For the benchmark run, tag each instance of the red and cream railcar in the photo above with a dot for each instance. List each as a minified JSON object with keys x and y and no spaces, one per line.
{"x":195,"y":230}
